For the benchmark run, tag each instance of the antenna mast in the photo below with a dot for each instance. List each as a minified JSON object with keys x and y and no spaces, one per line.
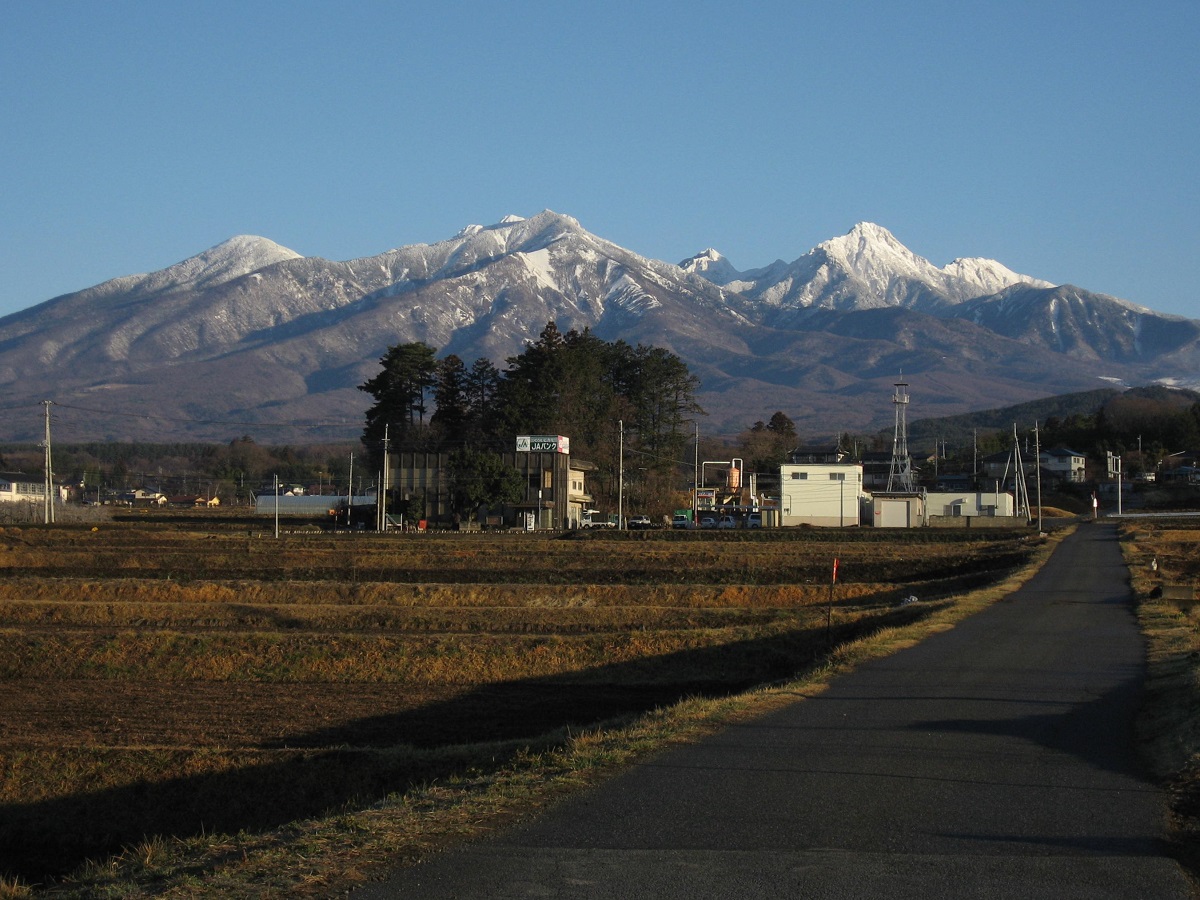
{"x":900,"y":476}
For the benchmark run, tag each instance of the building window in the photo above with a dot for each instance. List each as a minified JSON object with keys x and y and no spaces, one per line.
{"x":837,"y":476}
{"x":799,"y":476}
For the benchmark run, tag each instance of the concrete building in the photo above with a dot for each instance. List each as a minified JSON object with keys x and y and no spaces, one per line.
{"x":820,"y":494}
{"x":554,"y":492}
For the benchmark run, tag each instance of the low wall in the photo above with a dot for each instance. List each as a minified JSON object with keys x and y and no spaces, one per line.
{"x":978,"y":522}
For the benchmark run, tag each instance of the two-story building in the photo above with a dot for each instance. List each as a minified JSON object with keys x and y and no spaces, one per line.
{"x":16,"y":487}
{"x":813,"y":493}
{"x":1064,"y":465}
{"x":554,"y":492}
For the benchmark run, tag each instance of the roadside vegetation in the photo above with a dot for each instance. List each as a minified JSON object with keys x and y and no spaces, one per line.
{"x":225,"y":713}
{"x":1165,"y":573}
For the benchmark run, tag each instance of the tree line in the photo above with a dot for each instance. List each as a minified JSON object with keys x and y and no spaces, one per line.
{"x":600,"y":394}
{"x":232,"y":471}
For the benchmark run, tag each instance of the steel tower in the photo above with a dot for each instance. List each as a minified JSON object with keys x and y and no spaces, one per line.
{"x":900,"y":476}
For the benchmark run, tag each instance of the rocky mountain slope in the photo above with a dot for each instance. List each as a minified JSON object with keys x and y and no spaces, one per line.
{"x":249,"y":337}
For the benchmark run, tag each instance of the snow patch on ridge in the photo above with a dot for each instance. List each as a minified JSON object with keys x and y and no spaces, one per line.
{"x":542,"y":268}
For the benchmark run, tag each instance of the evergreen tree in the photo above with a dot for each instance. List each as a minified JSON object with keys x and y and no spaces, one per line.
{"x":482,"y":393}
{"x":481,"y":477}
{"x":766,"y":445}
{"x":400,"y":393}
{"x":528,"y":396}
{"x":451,"y":416}
{"x":574,"y":384}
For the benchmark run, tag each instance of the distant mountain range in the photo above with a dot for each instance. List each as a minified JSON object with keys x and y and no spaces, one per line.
{"x":250,"y":337}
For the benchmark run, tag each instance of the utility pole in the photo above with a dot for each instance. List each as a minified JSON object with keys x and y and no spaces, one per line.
{"x":48,"y":510}
{"x":276,"y":507}
{"x":621,"y":474}
{"x":350,"y":490}
{"x":1037,"y":451}
{"x":381,"y":500}
{"x":1114,"y":471}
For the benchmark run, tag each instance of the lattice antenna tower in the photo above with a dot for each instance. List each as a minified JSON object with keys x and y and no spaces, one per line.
{"x":900,"y":476}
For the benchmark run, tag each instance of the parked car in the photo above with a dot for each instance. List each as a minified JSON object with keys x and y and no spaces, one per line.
{"x":708,"y":522}
{"x":639,"y":522}
{"x":680,"y":521}
{"x":727,"y":522}
{"x":754,"y":520}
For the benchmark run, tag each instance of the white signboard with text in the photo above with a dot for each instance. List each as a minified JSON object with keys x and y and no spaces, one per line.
{"x":543,"y":443}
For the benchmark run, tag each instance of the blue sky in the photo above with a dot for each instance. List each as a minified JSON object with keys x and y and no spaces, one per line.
{"x":1059,"y":138}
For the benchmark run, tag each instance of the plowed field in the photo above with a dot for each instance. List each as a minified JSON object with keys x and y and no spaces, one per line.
{"x":162,"y":681}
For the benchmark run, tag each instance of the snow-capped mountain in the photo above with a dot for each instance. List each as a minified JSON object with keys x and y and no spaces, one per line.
{"x":250,"y":336}
{"x":1081,"y":324}
{"x":866,"y":268}
{"x":711,"y":265}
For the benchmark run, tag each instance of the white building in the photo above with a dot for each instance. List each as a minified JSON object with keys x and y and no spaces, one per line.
{"x":898,"y":510}
{"x":820,"y":494}
{"x":1067,"y":465}
{"x":16,"y":487}
{"x":969,"y":504}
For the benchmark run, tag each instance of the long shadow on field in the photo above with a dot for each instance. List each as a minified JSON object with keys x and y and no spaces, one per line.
{"x":50,"y":838}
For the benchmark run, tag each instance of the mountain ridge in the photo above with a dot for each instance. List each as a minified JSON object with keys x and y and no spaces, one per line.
{"x":250,"y":330}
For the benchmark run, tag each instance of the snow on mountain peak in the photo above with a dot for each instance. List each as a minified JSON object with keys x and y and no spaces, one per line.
{"x":867,"y":245}
{"x":230,"y":259}
{"x":511,"y":219}
{"x":988,"y":275}
{"x":874,"y":256}
{"x":248,"y":251}
{"x":711,"y":265}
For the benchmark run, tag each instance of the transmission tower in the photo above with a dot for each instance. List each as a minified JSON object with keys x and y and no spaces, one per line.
{"x":900,"y":476}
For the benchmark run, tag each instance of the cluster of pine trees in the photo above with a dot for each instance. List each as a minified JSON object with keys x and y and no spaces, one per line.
{"x":600,"y":394}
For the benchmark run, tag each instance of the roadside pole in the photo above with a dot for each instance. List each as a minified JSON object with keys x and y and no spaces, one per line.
{"x":829,"y":608}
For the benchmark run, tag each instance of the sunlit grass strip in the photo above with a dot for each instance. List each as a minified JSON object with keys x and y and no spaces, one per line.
{"x":68,"y":599}
{"x":323,"y":856}
{"x":282,"y":657}
{"x":110,"y":555}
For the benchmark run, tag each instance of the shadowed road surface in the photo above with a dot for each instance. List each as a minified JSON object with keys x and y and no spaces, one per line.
{"x":993,"y":760}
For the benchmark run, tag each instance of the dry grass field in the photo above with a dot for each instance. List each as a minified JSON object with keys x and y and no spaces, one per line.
{"x":1164,"y":560}
{"x":162,"y":683}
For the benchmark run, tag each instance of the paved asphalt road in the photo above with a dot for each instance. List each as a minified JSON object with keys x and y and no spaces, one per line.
{"x":993,"y":760}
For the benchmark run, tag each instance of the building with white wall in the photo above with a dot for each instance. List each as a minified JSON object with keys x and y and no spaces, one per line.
{"x":1065,"y":465}
{"x":820,"y":494}
{"x":970,"y":504}
{"x":17,"y":486}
